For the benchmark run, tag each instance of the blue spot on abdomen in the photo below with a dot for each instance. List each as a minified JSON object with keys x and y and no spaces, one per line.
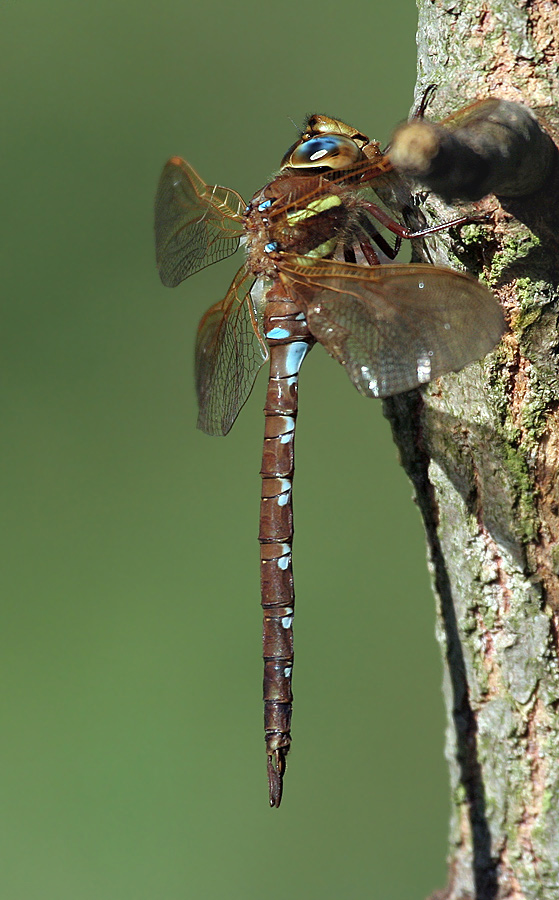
{"x":276,"y":334}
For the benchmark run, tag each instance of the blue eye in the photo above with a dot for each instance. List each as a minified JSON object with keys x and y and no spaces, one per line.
{"x":269,"y":248}
{"x":332,"y":151}
{"x":317,"y":148}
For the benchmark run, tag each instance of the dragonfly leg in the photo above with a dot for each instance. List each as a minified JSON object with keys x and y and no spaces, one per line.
{"x":380,"y":241}
{"x":403,"y":232}
{"x":419,"y":110}
{"x":369,"y":253}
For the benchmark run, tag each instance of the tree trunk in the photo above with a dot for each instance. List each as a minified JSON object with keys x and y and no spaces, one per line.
{"x":482,"y":450}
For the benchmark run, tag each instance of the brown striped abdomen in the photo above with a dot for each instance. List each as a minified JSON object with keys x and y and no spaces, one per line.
{"x":289,"y":340}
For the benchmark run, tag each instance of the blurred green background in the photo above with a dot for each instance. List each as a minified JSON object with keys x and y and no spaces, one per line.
{"x":133,"y":761}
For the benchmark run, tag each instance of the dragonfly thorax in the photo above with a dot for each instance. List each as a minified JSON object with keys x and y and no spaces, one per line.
{"x":306,"y":216}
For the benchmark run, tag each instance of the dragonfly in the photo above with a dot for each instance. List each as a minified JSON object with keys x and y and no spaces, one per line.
{"x":312,"y":274}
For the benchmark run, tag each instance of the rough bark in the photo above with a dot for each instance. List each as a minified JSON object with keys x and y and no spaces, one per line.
{"x":482,"y":450}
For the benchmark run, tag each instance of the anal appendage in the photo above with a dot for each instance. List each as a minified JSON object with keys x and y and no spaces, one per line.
{"x":276,"y":770}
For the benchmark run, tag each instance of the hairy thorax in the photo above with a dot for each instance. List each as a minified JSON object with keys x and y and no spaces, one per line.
{"x":306,"y":216}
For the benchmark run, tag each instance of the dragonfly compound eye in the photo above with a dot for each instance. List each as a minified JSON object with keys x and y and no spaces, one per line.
{"x":330,"y":151}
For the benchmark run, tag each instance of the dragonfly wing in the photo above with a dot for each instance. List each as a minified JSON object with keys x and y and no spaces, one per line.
{"x":195,"y":224}
{"x":395,"y":327}
{"x":230,"y":350}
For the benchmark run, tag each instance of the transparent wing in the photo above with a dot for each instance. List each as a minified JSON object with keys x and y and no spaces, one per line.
{"x":475,"y":110}
{"x":195,"y":224}
{"x":230,"y":349}
{"x":395,"y":327}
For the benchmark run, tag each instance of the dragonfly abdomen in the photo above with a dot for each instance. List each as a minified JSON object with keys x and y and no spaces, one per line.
{"x":289,"y":341}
